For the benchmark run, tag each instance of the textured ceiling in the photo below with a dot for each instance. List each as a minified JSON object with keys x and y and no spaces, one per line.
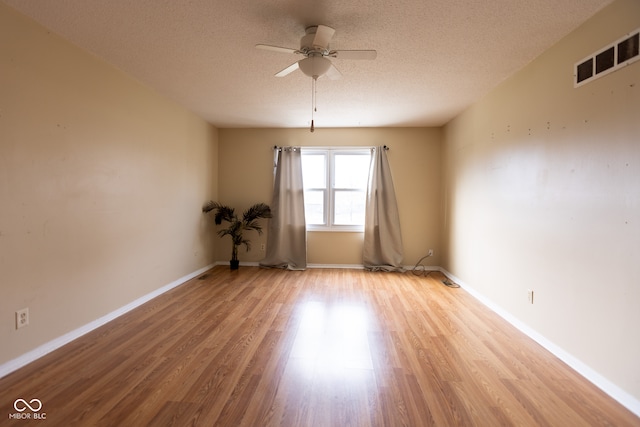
{"x":435,"y":57}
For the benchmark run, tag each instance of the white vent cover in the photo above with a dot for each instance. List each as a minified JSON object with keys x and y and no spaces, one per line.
{"x":618,"y":54}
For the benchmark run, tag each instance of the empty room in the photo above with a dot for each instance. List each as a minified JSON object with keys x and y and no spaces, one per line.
{"x":299,"y":213}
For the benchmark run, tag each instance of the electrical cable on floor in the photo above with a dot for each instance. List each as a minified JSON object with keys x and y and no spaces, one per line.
{"x":421,"y":270}
{"x":449,"y":283}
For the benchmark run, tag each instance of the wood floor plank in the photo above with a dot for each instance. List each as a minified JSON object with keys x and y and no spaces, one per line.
{"x":263,"y":347}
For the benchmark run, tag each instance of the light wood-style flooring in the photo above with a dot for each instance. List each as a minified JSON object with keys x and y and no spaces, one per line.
{"x":333,"y":347}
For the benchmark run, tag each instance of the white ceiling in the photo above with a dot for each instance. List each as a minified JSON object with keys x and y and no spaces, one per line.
{"x":435,"y":57}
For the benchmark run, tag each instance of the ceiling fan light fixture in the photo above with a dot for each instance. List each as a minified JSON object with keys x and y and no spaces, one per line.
{"x":314,"y":66}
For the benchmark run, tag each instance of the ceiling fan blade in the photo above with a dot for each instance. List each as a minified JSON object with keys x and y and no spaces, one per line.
{"x":290,"y":69}
{"x":276,"y":48}
{"x":354,"y":54}
{"x":323,"y":36}
{"x":333,"y":73}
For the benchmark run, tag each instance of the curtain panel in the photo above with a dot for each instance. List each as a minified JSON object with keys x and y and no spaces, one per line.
{"x":383,"y":250}
{"x":287,"y":238}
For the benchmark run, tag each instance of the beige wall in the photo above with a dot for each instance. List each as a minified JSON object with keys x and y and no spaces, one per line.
{"x":101,"y":185}
{"x":246,"y":177}
{"x":543,"y":193}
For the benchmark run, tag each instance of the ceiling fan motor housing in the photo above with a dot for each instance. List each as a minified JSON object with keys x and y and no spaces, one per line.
{"x":306,"y":42}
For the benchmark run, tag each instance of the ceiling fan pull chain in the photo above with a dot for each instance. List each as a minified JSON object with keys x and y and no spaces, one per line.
{"x":313,"y":101}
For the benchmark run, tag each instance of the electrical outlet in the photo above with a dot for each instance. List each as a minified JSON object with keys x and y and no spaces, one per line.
{"x":22,"y":318}
{"x":530,"y":296}
{"x":430,"y":252}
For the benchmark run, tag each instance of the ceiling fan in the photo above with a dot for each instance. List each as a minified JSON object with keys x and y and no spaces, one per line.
{"x":314,"y":47}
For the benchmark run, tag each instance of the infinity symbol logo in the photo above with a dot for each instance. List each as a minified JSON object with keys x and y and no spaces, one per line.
{"x":21,"y":405}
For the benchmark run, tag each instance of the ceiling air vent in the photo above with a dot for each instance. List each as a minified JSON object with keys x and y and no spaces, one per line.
{"x":618,"y":54}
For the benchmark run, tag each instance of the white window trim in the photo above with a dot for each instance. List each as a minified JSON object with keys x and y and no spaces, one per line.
{"x":330,"y":151}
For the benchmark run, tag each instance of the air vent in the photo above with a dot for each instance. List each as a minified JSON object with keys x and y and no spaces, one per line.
{"x":618,"y":54}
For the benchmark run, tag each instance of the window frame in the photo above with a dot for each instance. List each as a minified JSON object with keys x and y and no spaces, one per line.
{"x":329,"y":190}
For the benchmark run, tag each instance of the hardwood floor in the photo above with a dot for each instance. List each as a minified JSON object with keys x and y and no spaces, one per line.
{"x":260,"y":347}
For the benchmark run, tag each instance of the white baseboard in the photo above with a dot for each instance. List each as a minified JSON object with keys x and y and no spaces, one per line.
{"x":19,"y":362}
{"x":257,"y":264}
{"x":361,"y":266}
{"x":422,"y":268}
{"x":242,"y":263}
{"x":346,"y":266}
{"x":621,"y":396}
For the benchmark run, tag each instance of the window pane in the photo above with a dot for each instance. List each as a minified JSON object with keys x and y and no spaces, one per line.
{"x":351,"y":170}
{"x":314,"y":207}
{"x":349,"y":207}
{"x":314,"y":170}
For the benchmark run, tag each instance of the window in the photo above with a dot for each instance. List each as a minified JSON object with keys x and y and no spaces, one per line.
{"x":335,"y":186}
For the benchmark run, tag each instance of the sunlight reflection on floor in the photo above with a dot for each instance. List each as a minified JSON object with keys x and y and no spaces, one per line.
{"x":331,"y":341}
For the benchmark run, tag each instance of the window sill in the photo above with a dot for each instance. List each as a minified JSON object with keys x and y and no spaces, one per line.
{"x":336,"y":229}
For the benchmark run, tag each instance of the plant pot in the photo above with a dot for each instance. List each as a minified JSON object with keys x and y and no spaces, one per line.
{"x":234,"y":264}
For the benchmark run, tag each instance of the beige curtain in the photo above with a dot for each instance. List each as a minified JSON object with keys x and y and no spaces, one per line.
{"x":382,"y":237}
{"x":287,"y":238}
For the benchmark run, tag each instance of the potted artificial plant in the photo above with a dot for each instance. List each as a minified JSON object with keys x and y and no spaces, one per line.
{"x":237,"y":226}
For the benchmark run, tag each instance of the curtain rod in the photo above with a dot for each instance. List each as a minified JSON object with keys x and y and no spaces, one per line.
{"x":386,"y":147}
{"x":275,"y":147}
